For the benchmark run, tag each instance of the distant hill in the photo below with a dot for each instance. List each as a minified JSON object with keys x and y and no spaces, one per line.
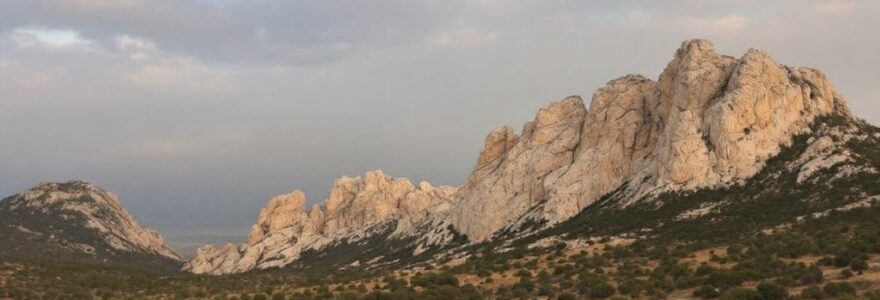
{"x":78,"y":221}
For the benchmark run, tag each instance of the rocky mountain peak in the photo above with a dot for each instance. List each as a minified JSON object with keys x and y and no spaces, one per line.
{"x":284,"y":229}
{"x":281,"y":211}
{"x":52,"y":208}
{"x":709,"y":119}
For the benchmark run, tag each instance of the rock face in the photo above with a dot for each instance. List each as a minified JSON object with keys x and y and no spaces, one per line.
{"x":508,"y":178}
{"x":79,"y":217}
{"x":285,"y":229}
{"x":709,"y":120}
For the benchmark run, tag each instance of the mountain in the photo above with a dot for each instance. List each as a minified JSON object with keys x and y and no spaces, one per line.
{"x":355,"y":209}
{"x":76,"y":220}
{"x":731,"y":178}
{"x":730,"y":145}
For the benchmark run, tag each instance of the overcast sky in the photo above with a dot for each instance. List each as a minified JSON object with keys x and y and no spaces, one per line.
{"x":197,"y":112}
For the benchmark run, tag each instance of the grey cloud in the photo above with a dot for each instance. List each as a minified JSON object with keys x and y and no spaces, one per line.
{"x":250,"y":32}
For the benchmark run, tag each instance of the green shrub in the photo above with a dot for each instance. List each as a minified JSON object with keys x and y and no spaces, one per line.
{"x":741,"y":294}
{"x":602,"y":290}
{"x":260,"y":297}
{"x":567,"y":296}
{"x":835,"y":289}
{"x":772,"y":291}
{"x":523,"y":273}
{"x":813,"y":292}
{"x":278,"y":296}
{"x":858,"y":265}
{"x":813,"y":275}
{"x":707,"y":292}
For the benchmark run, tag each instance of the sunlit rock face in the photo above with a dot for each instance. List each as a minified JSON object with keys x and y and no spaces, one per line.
{"x":710,"y":119}
{"x":285,"y":229}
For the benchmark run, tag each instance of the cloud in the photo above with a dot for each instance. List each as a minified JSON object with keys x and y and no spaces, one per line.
{"x":463,"y":38}
{"x":730,"y":23}
{"x":137,"y":48}
{"x":187,"y":147}
{"x":46,"y":38}
{"x":294,"y":33}
{"x":834,"y":7}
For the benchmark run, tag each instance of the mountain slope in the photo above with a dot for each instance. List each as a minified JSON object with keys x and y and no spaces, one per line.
{"x":714,"y":134}
{"x":77,"y":220}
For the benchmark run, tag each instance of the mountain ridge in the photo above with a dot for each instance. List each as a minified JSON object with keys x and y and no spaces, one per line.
{"x":710,"y":120}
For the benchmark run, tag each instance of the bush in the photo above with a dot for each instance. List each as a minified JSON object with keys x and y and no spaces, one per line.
{"x":546,"y":290}
{"x":632,"y":287}
{"x":858,"y":265}
{"x":602,"y":290}
{"x":278,"y":296}
{"x":707,"y":292}
{"x":813,"y":275}
{"x":772,"y":291}
{"x":835,"y":289}
{"x":741,"y":294}
{"x":523,"y":273}
{"x":812,"y":292}
{"x":567,"y":296}
{"x":484,"y":273}
{"x":433,"y":279}
{"x":525,"y":284}
{"x":260,"y":297}
{"x":872,"y":295}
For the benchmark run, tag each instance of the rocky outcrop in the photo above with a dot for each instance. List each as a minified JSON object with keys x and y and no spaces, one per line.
{"x":710,"y":119}
{"x":508,"y":178}
{"x":285,"y":229}
{"x":81,"y":217}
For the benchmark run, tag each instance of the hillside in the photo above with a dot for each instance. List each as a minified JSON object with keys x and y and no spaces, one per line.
{"x":76,"y":221}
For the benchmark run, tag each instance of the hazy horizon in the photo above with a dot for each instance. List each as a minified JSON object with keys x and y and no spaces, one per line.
{"x":196,"y":113}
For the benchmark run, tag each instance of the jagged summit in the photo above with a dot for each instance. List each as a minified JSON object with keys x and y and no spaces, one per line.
{"x":708,"y":121}
{"x":285,"y":230}
{"x":76,"y":217}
